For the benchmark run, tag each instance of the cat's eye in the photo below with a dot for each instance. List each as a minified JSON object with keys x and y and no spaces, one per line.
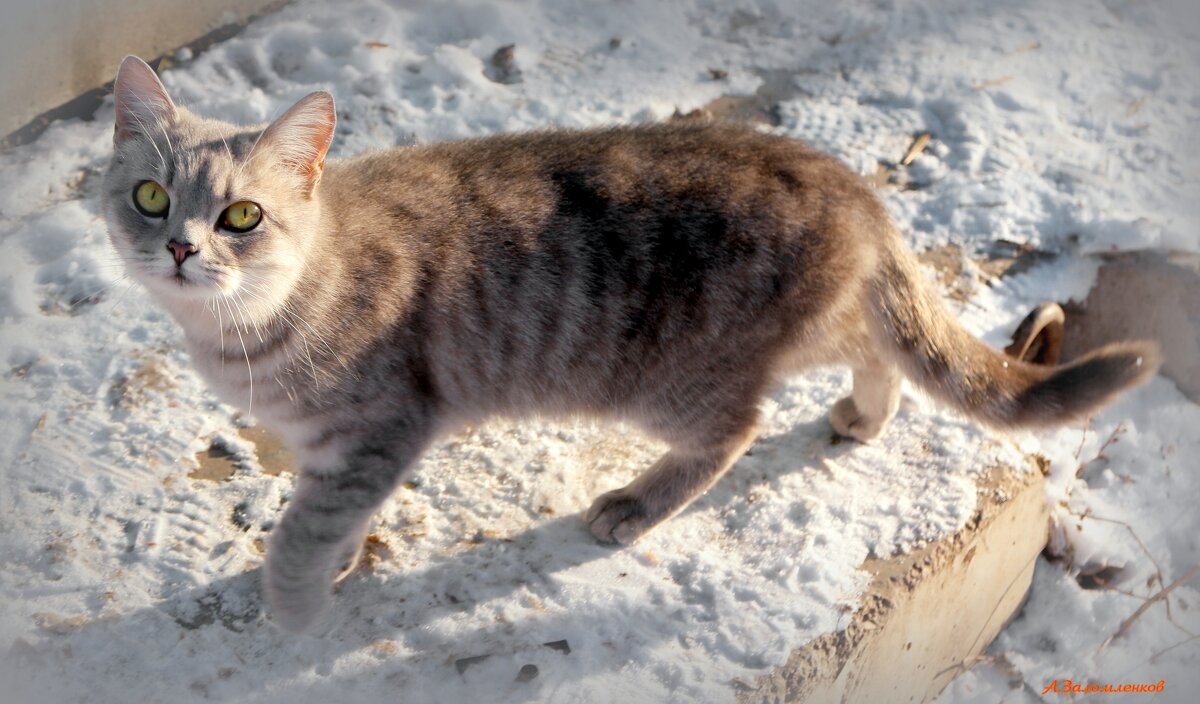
{"x":242,"y":216}
{"x":151,"y":199}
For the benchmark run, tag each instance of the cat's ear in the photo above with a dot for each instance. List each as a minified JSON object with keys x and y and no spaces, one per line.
{"x":301,"y":137}
{"x":142,"y":101}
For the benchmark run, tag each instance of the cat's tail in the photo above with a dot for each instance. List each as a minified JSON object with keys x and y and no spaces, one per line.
{"x":949,"y":363}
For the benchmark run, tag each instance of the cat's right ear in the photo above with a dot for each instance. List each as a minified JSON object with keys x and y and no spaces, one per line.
{"x":142,"y":101}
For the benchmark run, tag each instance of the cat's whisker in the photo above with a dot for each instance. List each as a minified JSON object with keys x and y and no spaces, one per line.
{"x":243,"y":308}
{"x":249,"y":368}
{"x":228,"y":151}
{"x":320,"y":338}
{"x":324,"y":343}
{"x":234,"y":315}
{"x":250,"y":155}
{"x":88,"y":296}
{"x":146,"y":131}
{"x":158,"y":123}
{"x":281,"y":313}
{"x":120,"y":298}
{"x":291,"y":396}
{"x":221,"y":328}
{"x":233,"y":162}
{"x":307,"y":352}
{"x":254,"y":147}
{"x":170,"y":147}
{"x":114,"y":265}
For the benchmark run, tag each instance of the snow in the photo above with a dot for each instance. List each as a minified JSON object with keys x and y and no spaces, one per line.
{"x":1065,"y":125}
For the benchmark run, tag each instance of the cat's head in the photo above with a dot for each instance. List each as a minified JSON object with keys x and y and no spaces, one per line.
{"x":202,"y":210}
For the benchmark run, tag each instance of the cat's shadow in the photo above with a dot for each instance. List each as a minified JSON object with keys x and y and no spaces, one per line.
{"x":456,"y":582}
{"x":805,"y":446}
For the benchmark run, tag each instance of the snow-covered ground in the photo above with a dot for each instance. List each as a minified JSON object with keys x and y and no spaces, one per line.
{"x":1067,"y":125}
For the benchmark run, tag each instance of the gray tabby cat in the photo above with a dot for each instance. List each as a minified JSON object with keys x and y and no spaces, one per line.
{"x":663,"y":275}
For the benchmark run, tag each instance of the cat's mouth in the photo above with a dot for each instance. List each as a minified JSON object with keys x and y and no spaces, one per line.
{"x":204,"y":283}
{"x":181,"y":278}
{"x":182,"y":281}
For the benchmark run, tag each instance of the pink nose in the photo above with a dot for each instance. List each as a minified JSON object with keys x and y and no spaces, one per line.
{"x":181,"y":250}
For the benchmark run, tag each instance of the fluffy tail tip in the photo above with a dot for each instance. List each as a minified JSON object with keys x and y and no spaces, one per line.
{"x":1082,"y":386}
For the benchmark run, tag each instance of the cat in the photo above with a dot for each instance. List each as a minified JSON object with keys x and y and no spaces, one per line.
{"x":664,"y":275}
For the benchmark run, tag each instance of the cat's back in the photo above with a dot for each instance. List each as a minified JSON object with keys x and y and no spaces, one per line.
{"x":717,"y":187}
{"x":713,"y":160}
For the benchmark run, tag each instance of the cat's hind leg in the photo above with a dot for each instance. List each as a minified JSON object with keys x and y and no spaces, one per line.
{"x":684,"y":473}
{"x":872,"y":403}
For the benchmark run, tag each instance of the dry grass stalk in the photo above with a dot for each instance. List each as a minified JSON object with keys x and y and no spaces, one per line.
{"x":915,"y":148}
{"x":992,"y":83}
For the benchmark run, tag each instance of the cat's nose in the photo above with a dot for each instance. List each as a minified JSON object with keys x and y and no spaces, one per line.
{"x":181,"y":250}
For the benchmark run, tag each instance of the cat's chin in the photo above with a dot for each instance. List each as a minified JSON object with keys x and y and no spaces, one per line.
{"x":182,"y":286}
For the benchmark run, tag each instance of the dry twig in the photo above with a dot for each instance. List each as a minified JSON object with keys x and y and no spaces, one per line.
{"x":1087,"y":425}
{"x":1160,"y":596}
{"x":1158,"y":574}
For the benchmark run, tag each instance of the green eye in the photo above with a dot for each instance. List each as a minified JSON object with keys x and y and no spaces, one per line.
{"x":242,"y":216}
{"x":151,"y":199}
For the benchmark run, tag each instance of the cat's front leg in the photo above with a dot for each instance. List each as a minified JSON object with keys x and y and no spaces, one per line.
{"x":325,"y":522}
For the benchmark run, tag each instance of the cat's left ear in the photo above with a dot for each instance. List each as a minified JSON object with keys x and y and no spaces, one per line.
{"x":142,"y":101}
{"x":301,"y":137}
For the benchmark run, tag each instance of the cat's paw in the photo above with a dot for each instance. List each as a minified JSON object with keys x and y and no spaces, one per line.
{"x":849,"y":422}
{"x":618,"y":517}
{"x":297,"y":606}
{"x":301,"y":614}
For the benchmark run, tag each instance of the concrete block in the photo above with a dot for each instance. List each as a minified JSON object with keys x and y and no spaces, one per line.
{"x":927,"y":614}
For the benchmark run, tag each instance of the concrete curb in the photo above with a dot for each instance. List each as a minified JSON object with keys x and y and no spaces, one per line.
{"x":927,"y":614}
